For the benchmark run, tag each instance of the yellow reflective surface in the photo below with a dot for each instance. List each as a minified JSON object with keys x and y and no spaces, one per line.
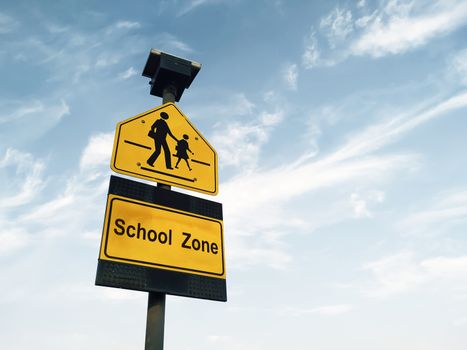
{"x":155,"y":236}
{"x":162,"y":145}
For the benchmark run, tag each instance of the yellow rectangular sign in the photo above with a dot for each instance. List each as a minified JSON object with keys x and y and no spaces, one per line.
{"x":151,"y":235}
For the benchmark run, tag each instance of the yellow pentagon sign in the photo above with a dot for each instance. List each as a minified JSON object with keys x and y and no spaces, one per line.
{"x":162,"y":145}
{"x":156,"y":236}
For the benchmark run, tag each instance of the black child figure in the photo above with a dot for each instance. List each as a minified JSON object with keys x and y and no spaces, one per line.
{"x":182,"y":148}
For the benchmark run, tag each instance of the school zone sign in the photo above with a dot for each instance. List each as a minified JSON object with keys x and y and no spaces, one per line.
{"x":162,"y":145}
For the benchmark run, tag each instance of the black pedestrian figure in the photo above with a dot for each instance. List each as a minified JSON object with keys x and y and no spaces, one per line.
{"x":158,"y":132}
{"x":182,"y":148}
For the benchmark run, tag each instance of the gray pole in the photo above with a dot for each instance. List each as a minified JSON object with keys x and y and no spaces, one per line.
{"x":156,"y":301}
{"x":173,"y":75}
{"x":155,"y":321}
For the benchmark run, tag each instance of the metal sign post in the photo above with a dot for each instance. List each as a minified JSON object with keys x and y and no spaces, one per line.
{"x":171,"y":75}
{"x":155,"y":321}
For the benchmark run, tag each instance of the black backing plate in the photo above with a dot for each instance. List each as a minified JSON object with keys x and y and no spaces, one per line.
{"x":142,"y":278}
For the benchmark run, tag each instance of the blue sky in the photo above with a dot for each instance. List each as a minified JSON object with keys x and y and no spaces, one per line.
{"x":340,"y":129}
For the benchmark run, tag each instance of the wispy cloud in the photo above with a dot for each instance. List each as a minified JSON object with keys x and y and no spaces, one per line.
{"x":377,"y":136}
{"x":337,"y":26}
{"x":240,"y":143}
{"x":403,"y":272}
{"x":448,"y":210}
{"x":84,"y":190}
{"x":311,"y":55}
{"x":130,"y":72}
{"x":7,"y":24}
{"x":170,"y":43}
{"x":121,"y":27}
{"x":24,"y":176}
{"x":361,"y":3}
{"x":351,"y":163}
{"x":394,"y":27}
{"x":192,"y":5}
{"x":22,"y":111}
{"x":394,"y":274}
{"x":290,"y":76}
{"x":97,"y":152}
{"x":52,"y":50}
{"x":128,"y":25}
{"x":325,"y":310}
{"x":235,"y":105}
{"x":16,"y":115}
{"x":457,"y":68}
{"x":12,"y":239}
{"x":360,"y":202}
{"x":402,"y":26}
{"x":28,"y":181}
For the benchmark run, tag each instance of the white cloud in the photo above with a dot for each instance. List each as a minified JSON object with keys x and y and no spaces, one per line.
{"x":81,"y":70}
{"x":16,"y":115}
{"x":394,"y":274}
{"x":47,"y":212}
{"x":377,"y":136}
{"x":359,"y":202}
{"x":337,"y":26}
{"x":236,"y":105}
{"x":171,"y":44}
{"x":122,"y":26}
{"x":359,"y":206}
{"x":363,"y":21}
{"x":118,"y":294}
{"x":332,"y":310}
{"x":400,"y":27}
{"x":228,"y":342}
{"x":290,"y":76}
{"x":313,"y":134}
{"x":458,"y":67}
{"x":261,"y":249}
{"x":239,"y":143}
{"x":26,"y":181}
{"x":446,"y":266}
{"x":97,"y":152}
{"x":325,"y":310}
{"x":33,"y":107}
{"x":219,"y":339}
{"x":12,"y":239}
{"x":402,"y":273}
{"x":7,"y":24}
{"x":55,"y":28}
{"x":128,"y":25}
{"x":104,"y":61}
{"x":130,"y":72}
{"x":311,"y":55}
{"x":90,"y":51}
{"x":394,"y":27}
{"x":263,"y":192}
{"x":448,"y":210}
{"x":192,"y":5}
{"x":267,"y":194}
{"x":73,"y":210}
